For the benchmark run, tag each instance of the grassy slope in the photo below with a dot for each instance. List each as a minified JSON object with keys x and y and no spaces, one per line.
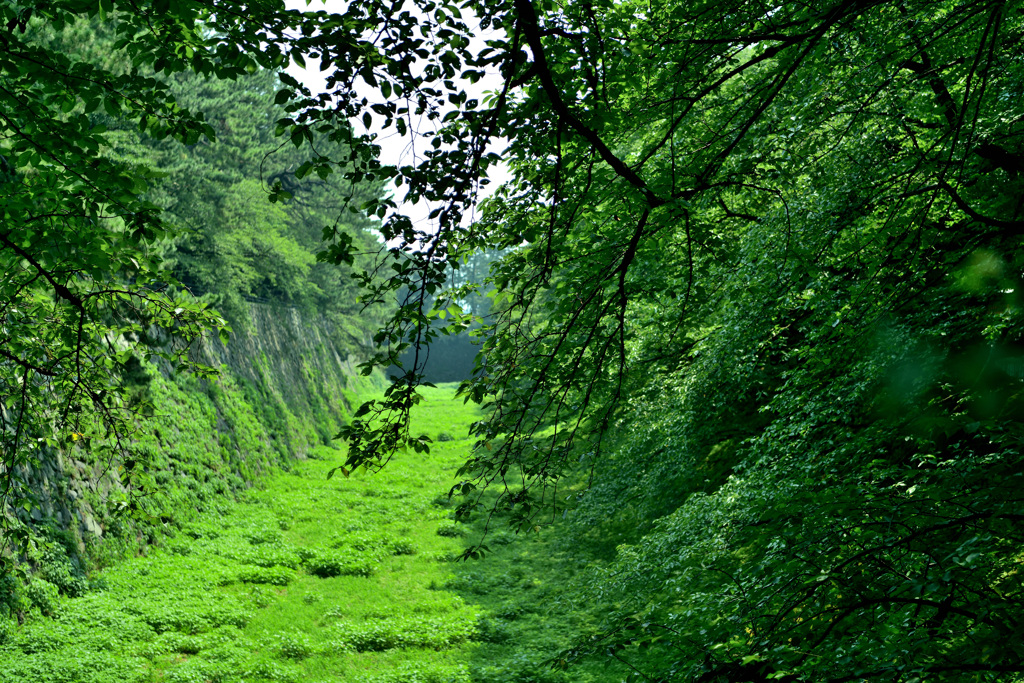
{"x":316,"y":580}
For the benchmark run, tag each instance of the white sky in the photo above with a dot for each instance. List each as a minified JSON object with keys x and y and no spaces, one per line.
{"x":395,"y":149}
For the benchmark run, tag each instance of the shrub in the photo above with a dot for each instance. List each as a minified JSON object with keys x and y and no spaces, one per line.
{"x":306,"y":554}
{"x":192,"y":671}
{"x":260,"y":597}
{"x":276,"y":576}
{"x":450,"y":530}
{"x":267,"y":670}
{"x":362,"y":542}
{"x":203,"y":530}
{"x":262,"y":535}
{"x":73,"y":663}
{"x":271,"y":555}
{"x":12,"y":595}
{"x":402,"y":546}
{"x":63,"y":571}
{"x":44,"y":595}
{"x":182,"y":548}
{"x":294,"y":645}
{"x":509,"y":611}
{"x":326,"y":565}
{"x":189,"y":612}
{"x":492,"y":631}
{"x":378,"y":635}
{"x":173,"y":641}
{"x":44,"y":636}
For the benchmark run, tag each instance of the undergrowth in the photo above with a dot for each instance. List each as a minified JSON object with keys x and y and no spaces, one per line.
{"x":319,"y":581}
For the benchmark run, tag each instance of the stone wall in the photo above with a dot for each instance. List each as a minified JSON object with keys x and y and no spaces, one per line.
{"x":284,"y":389}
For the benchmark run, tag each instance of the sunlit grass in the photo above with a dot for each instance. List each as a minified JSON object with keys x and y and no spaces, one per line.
{"x":235,"y":596}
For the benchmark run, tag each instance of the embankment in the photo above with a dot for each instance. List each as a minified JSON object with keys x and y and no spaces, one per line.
{"x":286,"y":385}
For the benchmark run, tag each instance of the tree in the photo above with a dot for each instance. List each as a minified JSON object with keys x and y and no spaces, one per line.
{"x":232,"y":243}
{"x":647,"y":142}
{"x":779,"y":240}
{"x":81,"y":291}
{"x":85,"y":292}
{"x":789,"y":236}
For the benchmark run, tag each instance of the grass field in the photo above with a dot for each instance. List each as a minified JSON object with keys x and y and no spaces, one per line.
{"x":316,"y":580}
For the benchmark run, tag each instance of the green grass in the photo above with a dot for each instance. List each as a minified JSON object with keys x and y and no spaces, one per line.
{"x":316,"y":580}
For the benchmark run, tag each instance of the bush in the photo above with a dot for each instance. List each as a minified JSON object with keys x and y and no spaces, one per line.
{"x":8,"y":630}
{"x":492,"y":631}
{"x":73,"y":663}
{"x":420,"y":674}
{"x":378,"y":635}
{"x":450,"y":530}
{"x":276,"y":576}
{"x":402,"y":546}
{"x":260,"y":597}
{"x":190,"y":612}
{"x":326,"y":565}
{"x":12,"y":595}
{"x":306,"y":554}
{"x":203,"y":530}
{"x":269,"y":671}
{"x":63,"y":571}
{"x":294,"y":645}
{"x":262,"y":535}
{"x":271,"y":555}
{"x":182,"y":548}
{"x":377,"y":544}
{"x":509,"y":611}
{"x":44,"y":595}
{"x":173,"y":641}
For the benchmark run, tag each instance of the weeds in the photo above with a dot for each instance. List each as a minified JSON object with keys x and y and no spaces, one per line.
{"x":304,"y":581}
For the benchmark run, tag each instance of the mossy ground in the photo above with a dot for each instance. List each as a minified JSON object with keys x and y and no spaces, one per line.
{"x":316,"y":580}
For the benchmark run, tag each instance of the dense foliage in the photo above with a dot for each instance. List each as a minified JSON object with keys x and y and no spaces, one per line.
{"x":762,"y":293}
{"x":240,"y":593}
{"x":769,"y":254}
{"x":81,"y":286}
{"x":231,"y":241}
{"x":131,"y":204}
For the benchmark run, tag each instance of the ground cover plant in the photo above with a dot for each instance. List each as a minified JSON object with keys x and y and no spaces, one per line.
{"x":308,"y":579}
{"x":761,"y":290}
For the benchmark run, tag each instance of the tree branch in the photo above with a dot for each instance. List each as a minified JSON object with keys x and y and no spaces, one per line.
{"x":528,"y":22}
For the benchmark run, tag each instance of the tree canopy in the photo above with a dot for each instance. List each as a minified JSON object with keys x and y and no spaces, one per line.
{"x":762,"y":290}
{"x":81,"y":286}
{"x":135,"y":182}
